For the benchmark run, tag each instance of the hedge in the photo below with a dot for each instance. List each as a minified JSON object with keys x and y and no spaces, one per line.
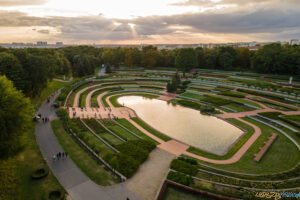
{"x":124,"y":164}
{"x":233,"y":94}
{"x":184,"y":167}
{"x":217,"y":101}
{"x":190,"y":104}
{"x":180,"y":178}
{"x":271,"y":115}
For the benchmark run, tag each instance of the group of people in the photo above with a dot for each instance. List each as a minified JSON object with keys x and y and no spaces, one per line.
{"x":45,"y":119}
{"x":60,"y":155}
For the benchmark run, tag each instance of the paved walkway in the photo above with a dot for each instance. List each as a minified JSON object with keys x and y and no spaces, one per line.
{"x":151,"y":174}
{"x":77,"y":184}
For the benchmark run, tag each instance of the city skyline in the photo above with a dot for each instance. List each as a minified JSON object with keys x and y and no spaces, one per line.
{"x":155,"y":22}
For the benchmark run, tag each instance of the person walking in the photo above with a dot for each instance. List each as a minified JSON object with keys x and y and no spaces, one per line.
{"x":48,"y":119}
{"x":63,"y":155}
{"x":57,"y":155}
{"x":66,"y":154}
{"x":53,"y":157}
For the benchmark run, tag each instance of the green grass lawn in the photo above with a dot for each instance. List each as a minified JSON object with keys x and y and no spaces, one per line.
{"x":52,"y":86}
{"x":120,"y":131}
{"x":83,"y":160}
{"x":15,"y":174}
{"x":192,"y":95}
{"x":150,"y":129}
{"x":129,"y":126}
{"x":281,"y":156}
{"x":234,"y":149}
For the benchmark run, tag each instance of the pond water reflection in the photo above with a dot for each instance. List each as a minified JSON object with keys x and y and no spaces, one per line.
{"x":184,"y":124}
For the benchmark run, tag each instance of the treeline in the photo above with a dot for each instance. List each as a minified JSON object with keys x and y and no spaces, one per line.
{"x":273,"y":58}
{"x":31,"y":68}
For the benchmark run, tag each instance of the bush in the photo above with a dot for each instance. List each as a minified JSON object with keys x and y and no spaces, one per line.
{"x":180,"y":178}
{"x":40,"y":173}
{"x":186,"y":82}
{"x":207,"y":109}
{"x":133,"y":151}
{"x":188,"y":160}
{"x":124,"y":164}
{"x":184,"y":167}
{"x":56,"y":195}
{"x":190,"y":104}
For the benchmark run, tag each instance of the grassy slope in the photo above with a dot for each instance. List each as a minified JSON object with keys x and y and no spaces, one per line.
{"x":90,"y":167}
{"x":282,"y":155}
{"x":132,"y":128}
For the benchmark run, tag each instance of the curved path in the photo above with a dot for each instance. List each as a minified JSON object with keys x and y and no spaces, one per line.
{"x":77,"y":184}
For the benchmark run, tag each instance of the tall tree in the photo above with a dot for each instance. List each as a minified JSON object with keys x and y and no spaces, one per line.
{"x":186,"y":59}
{"x":15,"y":117}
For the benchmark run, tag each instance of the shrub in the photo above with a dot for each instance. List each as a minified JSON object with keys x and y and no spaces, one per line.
{"x":184,"y":167}
{"x":180,"y":178}
{"x":133,"y":151}
{"x":186,"y":82}
{"x":207,"y":109}
{"x":40,"y":173}
{"x":56,"y":195}
{"x":190,"y":104}
{"x":188,"y":160}
{"x":124,"y":164}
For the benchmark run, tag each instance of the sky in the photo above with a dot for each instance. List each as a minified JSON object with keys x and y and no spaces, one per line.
{"x":148,"y":21}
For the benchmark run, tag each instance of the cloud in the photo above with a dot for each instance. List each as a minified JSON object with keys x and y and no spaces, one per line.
{"x":273,"y":22}
{"x":8,"y":3}
{"x":44,"y":31}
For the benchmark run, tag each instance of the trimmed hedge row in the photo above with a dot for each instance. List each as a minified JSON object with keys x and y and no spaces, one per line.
{"x":233,"y":94}
{"x":180,"y":178}
{"x":271,"y":115}
{"x":217,"y":101}
{"x":184,"y":167}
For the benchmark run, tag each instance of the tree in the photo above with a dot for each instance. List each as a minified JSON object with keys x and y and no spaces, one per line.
{"x":12,"y":69}
{"x":226,"y":61}
{"x":186,"y":59}
{"x":15,"y":117}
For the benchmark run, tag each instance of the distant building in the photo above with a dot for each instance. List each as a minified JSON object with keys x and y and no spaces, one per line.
{"x":41,"y":43}
{"x":59,"y":44}
{"x":295,"y":42}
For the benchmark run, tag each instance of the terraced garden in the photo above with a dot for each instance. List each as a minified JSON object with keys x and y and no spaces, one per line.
{"x":123,"y":139}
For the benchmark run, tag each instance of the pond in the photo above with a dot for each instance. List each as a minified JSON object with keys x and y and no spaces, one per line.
{"x":184,"y":124}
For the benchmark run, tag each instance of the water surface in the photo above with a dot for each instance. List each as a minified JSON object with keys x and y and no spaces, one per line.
{"x":184,"y":124}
